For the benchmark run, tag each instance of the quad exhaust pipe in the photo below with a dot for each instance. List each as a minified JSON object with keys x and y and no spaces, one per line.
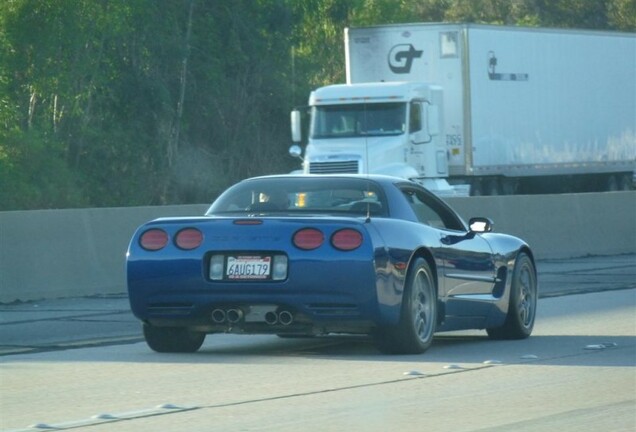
{"x":235,"y":315}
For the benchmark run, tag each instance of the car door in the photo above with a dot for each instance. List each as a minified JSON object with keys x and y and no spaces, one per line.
{"x":466,"y":258}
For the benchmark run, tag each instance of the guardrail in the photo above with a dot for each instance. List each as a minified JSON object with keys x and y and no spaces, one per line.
{"x":81,"y":252}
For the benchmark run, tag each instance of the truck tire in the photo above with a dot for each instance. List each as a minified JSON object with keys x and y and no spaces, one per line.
{"x":509,"y":186}
{"x":625,"y":182}
{"x":493,"y":188}
{"x":476,"y":188}
{"x":612,"y":183}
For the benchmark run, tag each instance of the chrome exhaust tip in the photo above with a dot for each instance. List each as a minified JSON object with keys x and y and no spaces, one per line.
{"x":285,"y":318}
{"x":271,"y":318}
{"x":218,"y":316}
{"x":234,"y":315}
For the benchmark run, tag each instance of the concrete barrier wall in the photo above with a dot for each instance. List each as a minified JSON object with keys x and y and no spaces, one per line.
{"x":69,"y":253}
{"x":561,"y":226}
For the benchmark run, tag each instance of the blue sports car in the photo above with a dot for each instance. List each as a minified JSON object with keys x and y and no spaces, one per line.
{"x":312,"y":255}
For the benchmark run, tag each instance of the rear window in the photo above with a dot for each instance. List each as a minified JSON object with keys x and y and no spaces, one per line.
{"x":302,"y":195}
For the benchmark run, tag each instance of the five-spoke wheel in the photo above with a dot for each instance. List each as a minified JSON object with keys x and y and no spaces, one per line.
{"x":418,"y":318}
{"x":522,"y":304}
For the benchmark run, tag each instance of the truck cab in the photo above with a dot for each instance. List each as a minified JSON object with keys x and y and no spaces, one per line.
{"x":391,"y":128}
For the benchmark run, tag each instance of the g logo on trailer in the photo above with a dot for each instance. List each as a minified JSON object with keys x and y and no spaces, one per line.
{"x":401,"y":58}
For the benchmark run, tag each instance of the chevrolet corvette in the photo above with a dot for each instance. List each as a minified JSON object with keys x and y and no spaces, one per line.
{"x":306,"y":255}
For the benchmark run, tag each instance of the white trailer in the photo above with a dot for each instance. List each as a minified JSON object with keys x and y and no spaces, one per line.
{"x":502,"y":109}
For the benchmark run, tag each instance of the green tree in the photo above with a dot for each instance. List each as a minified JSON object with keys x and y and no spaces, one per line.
{"x":237,"y":98}
{"x":33,"y":172}
{"x":621,"y":15}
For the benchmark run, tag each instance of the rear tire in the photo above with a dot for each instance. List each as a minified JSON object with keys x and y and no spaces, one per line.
{"x":522,"y":306}
{"x":418,"y":316}
{"x":172,"y":339}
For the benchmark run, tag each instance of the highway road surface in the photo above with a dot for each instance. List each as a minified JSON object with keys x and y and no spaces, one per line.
{"x":576,"y":373}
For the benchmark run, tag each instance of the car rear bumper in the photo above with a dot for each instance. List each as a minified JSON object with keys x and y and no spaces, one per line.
{"x":255,"y":314}
{"x":319,"y":298}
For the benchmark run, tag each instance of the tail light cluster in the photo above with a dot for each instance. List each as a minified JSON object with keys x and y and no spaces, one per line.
{"x":346,"y":239}
{"x":156,"y":239}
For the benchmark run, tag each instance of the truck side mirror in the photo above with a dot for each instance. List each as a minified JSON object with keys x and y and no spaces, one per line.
{"x":295,"y":126}
{"x":295,"y":151}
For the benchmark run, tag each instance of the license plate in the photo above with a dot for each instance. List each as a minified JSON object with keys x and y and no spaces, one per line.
{"x":248,"y":267}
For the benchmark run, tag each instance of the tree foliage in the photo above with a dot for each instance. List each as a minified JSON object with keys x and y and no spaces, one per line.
{"x":117,"y":103}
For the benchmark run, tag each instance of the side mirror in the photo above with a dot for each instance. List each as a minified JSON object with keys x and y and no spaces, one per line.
{"x":480,"y":225}
{"x":295,"y":126}
{"x":295,"y":151}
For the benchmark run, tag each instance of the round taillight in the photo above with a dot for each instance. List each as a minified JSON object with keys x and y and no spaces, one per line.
{"x":346,"y":239}
{"x":154,"y":239}
{"x":308,"y":238}
{"x":189,"y":238}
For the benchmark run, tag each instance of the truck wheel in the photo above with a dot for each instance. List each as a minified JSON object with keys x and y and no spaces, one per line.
{"x":522,"y":306}
{"x":172,"y":339}
{"x":492,"y":187}
{"x":625,"y":182}
{"x":509,"y":186}
{"x":612,"y":184}
{"x":476,"y":188}
{"x":418,"y":316}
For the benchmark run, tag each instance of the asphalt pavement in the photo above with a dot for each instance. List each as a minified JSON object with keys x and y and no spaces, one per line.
{"x":57,"y":324}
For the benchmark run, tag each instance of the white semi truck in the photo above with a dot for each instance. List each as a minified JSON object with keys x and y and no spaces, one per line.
{"x":490,"y":109}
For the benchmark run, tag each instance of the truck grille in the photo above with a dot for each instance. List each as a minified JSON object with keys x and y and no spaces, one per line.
{"x":339,"y":167}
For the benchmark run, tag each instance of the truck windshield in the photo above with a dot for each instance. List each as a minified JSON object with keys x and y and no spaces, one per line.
{"x":336,"y":121}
